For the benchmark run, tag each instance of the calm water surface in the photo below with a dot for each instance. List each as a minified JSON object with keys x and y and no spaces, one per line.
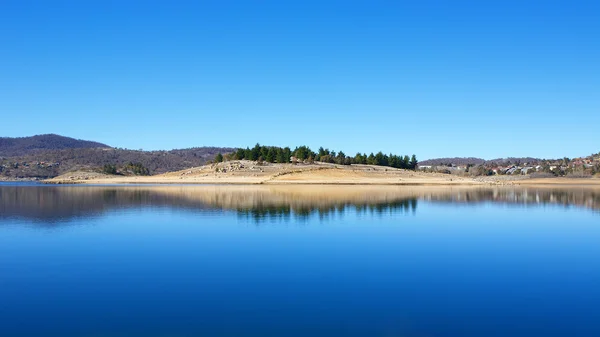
{"x":298,"y":261}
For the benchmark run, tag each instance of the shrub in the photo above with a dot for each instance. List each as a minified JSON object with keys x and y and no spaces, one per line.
{"x":136,"y":169}
{"x":109,"y":169}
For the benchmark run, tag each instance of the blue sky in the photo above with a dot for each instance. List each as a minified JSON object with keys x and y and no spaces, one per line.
{"x":435,"y":78}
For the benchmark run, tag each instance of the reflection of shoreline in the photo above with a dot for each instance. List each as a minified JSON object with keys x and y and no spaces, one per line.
{"x":52,"y":203}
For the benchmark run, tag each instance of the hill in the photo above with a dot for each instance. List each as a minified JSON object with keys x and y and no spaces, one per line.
{"x":452,"y":161}
{"x":25,"y":145}
{"x":515,"y":160}
{"x":52,"y":163}
{"x":47,"y":156}
{"x":260,"y":172}
{"x":458,"y":161}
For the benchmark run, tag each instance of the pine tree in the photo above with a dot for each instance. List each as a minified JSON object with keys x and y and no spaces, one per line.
{"x":255,"y":153}
{"x":271,"y":154}
{"x":358,"y":159}
{"x":280,"y":156}
{"x":320,"y":154}
{"x":239,"y":154}
{"x":287,"y":153}
{"x":371,"y":159}
{"x":413,"y":162}
{"x":379,"y":158}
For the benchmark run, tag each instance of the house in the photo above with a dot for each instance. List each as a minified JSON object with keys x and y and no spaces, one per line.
{"x":425,"y":167}
{"x":525,"y":170}
{"x":577,"y":162}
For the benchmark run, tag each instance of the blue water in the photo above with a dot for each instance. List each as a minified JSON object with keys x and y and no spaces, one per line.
{"x":105,"y":261}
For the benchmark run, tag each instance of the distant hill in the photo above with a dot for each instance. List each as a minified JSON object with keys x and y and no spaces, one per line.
{"x":452,"y":161}
{"x":515,"y":160}
{"x":25,"y":145}
{"x":47,"y":156}
{"x":478,"y":161}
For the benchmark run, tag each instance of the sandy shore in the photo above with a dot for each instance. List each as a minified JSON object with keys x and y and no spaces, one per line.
{"x":250,"y":173}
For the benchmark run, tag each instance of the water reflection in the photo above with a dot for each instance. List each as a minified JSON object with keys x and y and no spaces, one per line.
{"x":53,"y":204}
{"x":284,"y":212}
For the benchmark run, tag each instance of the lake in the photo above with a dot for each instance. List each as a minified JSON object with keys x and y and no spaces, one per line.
{"x":174,"y":261}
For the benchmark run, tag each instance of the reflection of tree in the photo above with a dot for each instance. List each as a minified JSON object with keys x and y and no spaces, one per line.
{"x":283,"y":212}
{"x":264,"y":212}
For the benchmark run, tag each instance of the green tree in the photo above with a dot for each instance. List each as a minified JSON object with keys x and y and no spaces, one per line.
{"x":341,"y":158}
{"x":379,"y":159}
{"x":413,"y":162}
{"x":255,"y":153}
{"x":406,"y":162}
{"x":109,"y":169}
{"x":239,"y":154}
{"x":279,"y":155}
{"x":287,"y":153}
{"x":320,"y":154}
{"x":303,"y":152}
{"x":136,"y":169}
{"x":358,"y":159}
{"x":271,"y":155}
{"x":218,"y":158}
{"x":371,"y":159}
{"x":264,"y":152}
{"x":394,"y":162}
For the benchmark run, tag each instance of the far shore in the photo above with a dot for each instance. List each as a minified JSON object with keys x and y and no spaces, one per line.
{"x":250,"y":173}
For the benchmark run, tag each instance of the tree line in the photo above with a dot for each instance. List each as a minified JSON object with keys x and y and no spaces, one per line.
{"x":130,"y":168}
{"x":274,"y":154}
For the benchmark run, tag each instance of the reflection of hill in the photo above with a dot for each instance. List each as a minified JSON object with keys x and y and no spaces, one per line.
{"x":583,"y":197}
{"x":52,"y":203}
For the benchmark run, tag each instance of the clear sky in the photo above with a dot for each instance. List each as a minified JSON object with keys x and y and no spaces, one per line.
{"x":435,"y":78}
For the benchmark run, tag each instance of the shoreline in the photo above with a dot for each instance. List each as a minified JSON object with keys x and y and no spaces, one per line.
{"x":420,"y":182}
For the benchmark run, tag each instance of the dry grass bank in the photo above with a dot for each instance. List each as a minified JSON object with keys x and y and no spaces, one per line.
{"x":251,"y":173}
{"x":248,"y":172}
